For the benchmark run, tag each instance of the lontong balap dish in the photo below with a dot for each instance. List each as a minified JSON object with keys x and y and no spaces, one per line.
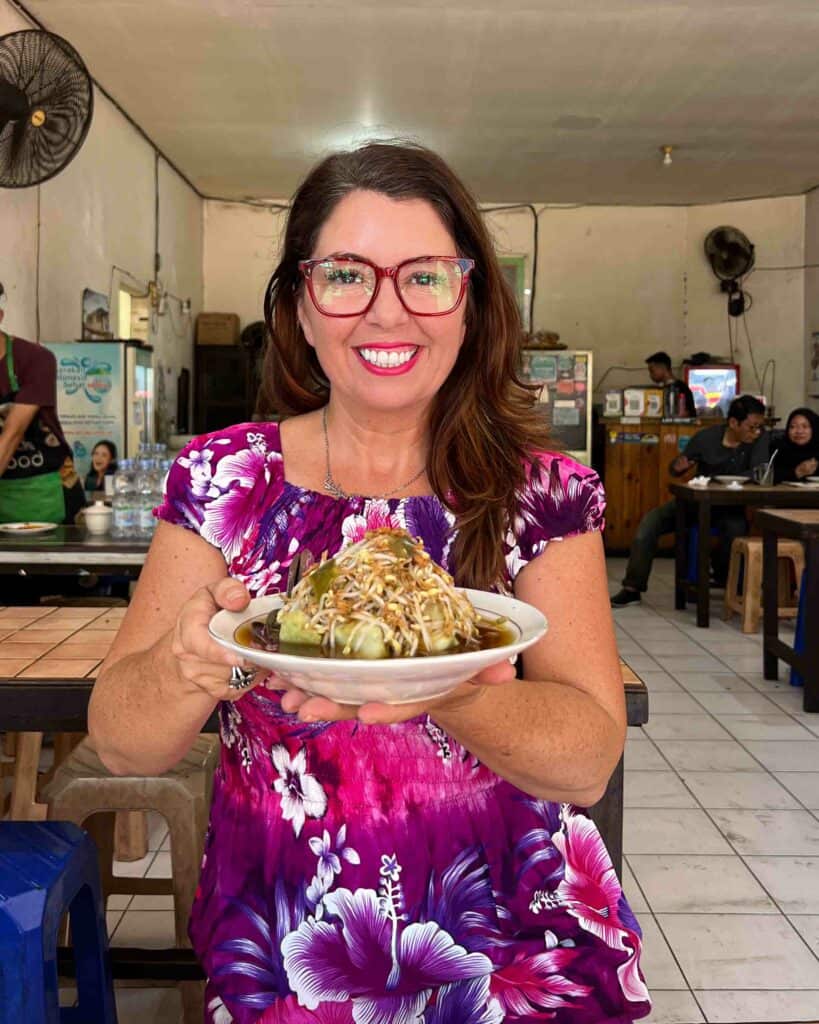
{"x":383,"y":597}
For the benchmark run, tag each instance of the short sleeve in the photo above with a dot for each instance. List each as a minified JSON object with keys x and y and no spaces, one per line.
{"x":561,"y":499}
{"x":218,"y":482}
{"x":36,"y":371}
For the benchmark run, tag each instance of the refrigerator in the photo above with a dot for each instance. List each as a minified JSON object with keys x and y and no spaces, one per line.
{"x":105,"y":392}
{"x":565,"y":376}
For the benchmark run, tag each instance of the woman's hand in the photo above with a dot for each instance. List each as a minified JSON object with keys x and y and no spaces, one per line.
{"x":806,"y":468}
{"x":201,"y":662}
{"x":320,"y":709}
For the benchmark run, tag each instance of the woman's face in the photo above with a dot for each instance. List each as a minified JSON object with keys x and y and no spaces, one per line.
{"x":384,"y":231}
{"x":799,"y":431}
{"x":100,"y":458}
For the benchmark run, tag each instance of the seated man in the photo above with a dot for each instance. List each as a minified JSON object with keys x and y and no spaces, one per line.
{"x":731,"y":449}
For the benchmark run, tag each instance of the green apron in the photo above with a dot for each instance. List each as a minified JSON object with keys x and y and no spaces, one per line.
{"x":35,"y":498}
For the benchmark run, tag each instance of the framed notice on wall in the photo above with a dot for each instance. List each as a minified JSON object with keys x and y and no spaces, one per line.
{"x":566,"y":379}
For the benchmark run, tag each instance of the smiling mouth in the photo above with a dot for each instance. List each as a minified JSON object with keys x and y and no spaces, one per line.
{"x":385,"y":359}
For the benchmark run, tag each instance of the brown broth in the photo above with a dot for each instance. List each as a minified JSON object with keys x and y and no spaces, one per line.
{"x":488,"y":638}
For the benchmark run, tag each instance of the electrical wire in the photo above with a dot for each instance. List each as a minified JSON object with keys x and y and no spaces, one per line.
{"x":630,"y":369}
{"x":37,"y":276}
{"x":535,"y":244}
{"x":744,"y":319}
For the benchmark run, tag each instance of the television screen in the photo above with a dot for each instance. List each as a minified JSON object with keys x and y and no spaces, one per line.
{"x":713,"y":387}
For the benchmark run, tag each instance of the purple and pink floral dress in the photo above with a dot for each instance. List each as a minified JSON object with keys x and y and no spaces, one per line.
{"x":381,"y":874}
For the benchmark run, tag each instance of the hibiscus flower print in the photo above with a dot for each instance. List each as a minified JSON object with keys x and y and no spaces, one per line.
{"x":348,"y":956}
{"x":197,"y":462}
{"x":302,"y":795}
{"x":376,"y":516}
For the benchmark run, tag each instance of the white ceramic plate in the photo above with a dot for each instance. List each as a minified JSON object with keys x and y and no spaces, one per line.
{"x":388,"y":680}
{"x":28,"y":528}
{"x":731,"y":479}
{"x":812,"y":479}
{"x":809,"y":484}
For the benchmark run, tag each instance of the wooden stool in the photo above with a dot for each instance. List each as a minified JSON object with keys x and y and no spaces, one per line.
{"x":746,"y":555}
{"x":84,"y":792}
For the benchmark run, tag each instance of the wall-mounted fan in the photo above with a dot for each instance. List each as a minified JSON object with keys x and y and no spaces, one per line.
{"x":731,"y":256}
{"x":46,"y":103}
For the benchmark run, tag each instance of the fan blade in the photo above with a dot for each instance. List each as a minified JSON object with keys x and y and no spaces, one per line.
{"x":18,"y":138}
{"x":13,"y":103}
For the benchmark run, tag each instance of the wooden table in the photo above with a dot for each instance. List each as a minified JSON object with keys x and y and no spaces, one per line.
{"x":797,"y":524}
{"x":69,"y":548}
{"x":49,"y":658}
{"x":751,"y":495}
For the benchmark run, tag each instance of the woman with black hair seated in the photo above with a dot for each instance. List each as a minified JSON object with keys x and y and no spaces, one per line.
{"x":797,"y":451}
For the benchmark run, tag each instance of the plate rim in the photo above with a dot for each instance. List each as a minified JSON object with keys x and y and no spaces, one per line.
{"x":34,"y":526}
{"x":369,"y":665}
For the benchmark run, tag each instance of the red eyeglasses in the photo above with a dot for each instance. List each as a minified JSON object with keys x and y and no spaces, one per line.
{"x":425,"y":285}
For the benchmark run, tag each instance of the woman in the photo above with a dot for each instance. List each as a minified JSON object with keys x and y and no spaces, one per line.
{"x":103,"y":464}
{"x":417,"y":863}
{"x":797,"y":453}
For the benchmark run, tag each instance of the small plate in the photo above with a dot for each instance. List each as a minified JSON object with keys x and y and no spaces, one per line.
{"x":28,"y":528}
{"x":388,"y":680}
{"x":731,"y":479}
{"x":812,"y":479}
{"x":809,"y":484}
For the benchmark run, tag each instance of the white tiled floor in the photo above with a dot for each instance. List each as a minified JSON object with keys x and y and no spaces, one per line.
{"x":721,"y":830}
{"x":721,"y":822}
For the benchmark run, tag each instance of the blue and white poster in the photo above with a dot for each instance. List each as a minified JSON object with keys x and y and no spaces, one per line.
{"x":90,"y":399}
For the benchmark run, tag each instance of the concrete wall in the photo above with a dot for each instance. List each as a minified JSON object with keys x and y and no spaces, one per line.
{"x":812,"y":297}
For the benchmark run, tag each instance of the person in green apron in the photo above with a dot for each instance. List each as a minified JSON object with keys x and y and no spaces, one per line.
{"x":32,"y":444}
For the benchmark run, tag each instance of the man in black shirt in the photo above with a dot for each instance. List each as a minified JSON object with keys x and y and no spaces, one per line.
{"x":659,"y":369}
{"x":722,"y":450}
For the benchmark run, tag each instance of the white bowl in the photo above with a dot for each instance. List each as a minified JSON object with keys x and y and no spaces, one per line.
{"x":737,"y":480}
{"x":97,"y":518}
{"x":387,"y":680}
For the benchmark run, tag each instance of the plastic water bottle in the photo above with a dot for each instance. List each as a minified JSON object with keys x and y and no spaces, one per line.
{"x":123,"y":521}
{"x":146,"y":486}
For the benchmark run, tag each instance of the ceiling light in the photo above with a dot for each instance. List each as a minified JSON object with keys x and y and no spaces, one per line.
{"x":666,"y":151}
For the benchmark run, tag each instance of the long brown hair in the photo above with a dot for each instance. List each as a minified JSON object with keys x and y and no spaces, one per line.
{"x":483,"y":425}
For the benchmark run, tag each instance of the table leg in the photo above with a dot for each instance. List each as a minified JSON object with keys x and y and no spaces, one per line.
{"x":811,"y":699}
{"x":680,"y":584}
{"x":24,"y":806}
{"x":703,"y":563}
{"x":770,"y":605}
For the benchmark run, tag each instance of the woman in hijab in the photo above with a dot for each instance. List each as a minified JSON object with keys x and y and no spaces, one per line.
{"x":797,"y":454}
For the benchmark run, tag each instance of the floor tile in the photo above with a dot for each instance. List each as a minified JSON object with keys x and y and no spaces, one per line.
{"x":700,"y":663}
{"x":156,"y":902}
{"x":673,"y":1008}
{"x":679,"y":703}
{"x":745,"y":703}
{"x":713,"y":682}
{"x":671,"y":831}
{"x":656,"y":959}
{"x":134,"y":868}
{"x":803,"y":785}
{"x":118,"y":902}
{"x":161,"y":867}
{"x":635,"y":734}
{"x":660,"y":682}
{"x":644,"y":757}
{"x":776,"y":833}
{"x":642,"y":663}
{"x":684,"y":727}
{"x":790,"y":700}
{"x":808,"y":928}
{"x":707,"y":755}
{"x":655,"y":789}
{"x":691,"y":884}
{"x":763,"y":727}
{"x":786,"y":755}
{"x":739,"y":790}
{"x":759,"y":1007}
{"x":740,"y":951}
{"x":112,"y":919}
{"x":792,"y":881}
{"x":631,"y":890}
{"x":150,"y":929}
{"x":157,"y":830}
{"x":154,"y":1005}
{"x":679,"y":647}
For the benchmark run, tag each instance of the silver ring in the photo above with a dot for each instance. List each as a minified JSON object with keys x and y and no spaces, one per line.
{"x":240,"y":678}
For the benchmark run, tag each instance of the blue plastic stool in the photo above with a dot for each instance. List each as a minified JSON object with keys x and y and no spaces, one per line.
{"x":47,"y":869}
{"x":796,"y":678}
{"x":693,"y":532}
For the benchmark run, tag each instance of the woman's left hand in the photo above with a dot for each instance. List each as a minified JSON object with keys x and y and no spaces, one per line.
{"x":806,"y":468}
{"x":320,"y":709}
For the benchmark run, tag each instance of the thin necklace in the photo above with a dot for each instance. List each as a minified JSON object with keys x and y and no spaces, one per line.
{"x":333,"y":488}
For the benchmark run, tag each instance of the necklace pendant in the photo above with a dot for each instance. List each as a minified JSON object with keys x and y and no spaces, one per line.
{"x":333,"y":489}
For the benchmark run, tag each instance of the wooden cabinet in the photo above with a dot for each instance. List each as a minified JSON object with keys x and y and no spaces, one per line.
{"x":226,"y":379}
{"x":636,"y":472}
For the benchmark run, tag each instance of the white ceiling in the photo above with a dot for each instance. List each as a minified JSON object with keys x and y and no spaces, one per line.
{"x":545,"y":101}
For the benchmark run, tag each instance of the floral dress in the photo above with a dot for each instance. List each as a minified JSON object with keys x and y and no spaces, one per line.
{"x":381,"y":874}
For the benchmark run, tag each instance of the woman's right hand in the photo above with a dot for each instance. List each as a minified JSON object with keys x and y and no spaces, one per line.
{"x":201,"y":662}
{"x":806,"y":468}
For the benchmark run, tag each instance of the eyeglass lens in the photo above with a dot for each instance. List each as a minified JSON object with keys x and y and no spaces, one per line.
{"x":425,"y":286}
